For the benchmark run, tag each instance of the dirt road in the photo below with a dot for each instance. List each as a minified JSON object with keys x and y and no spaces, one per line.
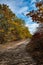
{"x":16,"y":55}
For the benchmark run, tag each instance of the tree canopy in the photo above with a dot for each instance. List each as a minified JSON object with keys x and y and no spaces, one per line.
{"x":11,"y":27}
{"x":37,"y":15}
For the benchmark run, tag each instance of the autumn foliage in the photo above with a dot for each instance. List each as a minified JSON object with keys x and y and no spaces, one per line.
{"x":35,"y":47}
{"x":11,"y":27}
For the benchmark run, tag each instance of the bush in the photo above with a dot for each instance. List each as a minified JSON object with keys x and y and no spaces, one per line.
{"x":35,"y":47}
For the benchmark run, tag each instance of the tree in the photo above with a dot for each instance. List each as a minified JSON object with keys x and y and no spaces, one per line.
{"x":35,"y":47}
{"x":11,"y":27}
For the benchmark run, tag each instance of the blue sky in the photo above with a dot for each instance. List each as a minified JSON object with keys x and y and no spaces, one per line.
{"x":20,"y":8}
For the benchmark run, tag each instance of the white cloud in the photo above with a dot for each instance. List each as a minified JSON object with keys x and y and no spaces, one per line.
{"x":23,"y":10}
{"x":32,"y":27}
{"x":33,"y":1}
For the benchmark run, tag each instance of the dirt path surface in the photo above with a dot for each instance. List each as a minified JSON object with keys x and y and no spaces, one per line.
{"x":11,"y":45}
{"x":16,"y":55}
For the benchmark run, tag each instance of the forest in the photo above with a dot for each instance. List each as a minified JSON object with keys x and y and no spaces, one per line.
{"x":29,"y":51}
{"x":12,"y":28}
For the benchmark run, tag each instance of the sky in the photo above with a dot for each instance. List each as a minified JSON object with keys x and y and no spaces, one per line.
{"x":21,"y":8}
